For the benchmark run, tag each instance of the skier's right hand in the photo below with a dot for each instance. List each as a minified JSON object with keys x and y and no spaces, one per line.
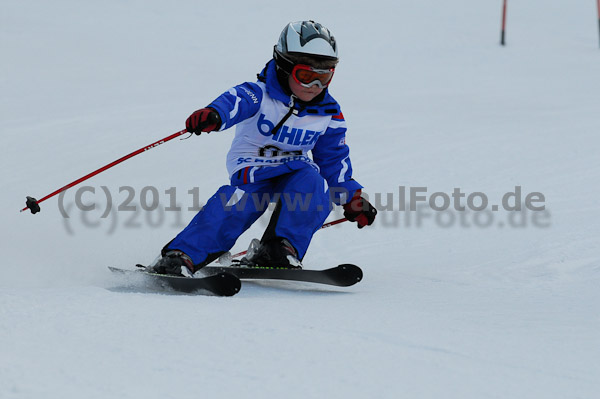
{"x":203,"y":120}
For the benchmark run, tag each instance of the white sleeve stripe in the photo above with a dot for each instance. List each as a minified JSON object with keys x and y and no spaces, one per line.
{"x":337,"y":124}
{"x":235,"y":109}
{"x":341,"y":178}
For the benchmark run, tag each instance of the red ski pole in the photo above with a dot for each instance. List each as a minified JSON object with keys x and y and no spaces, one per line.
{"x":502,"y":34}
{"x":33,"y":204}
{"x":333,"y":223}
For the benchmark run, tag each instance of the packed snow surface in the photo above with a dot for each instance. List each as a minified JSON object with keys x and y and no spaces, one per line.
{"x":454,"y":303}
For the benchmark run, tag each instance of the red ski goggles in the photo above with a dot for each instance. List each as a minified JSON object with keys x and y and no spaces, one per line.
{"x":307,"y":76}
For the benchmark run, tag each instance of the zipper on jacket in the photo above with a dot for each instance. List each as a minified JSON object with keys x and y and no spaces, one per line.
{"x":287,"y":116}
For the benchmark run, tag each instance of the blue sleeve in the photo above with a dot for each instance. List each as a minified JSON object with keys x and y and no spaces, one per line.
{"x":332,"y":155}
{"x":237,"y":104}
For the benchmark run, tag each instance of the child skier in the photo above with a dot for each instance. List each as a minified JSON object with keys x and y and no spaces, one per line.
{"x":279,"y":119}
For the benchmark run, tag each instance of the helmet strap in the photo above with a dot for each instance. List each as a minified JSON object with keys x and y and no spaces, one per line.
{"x":282,"y":62}
{"x":282,"y":78}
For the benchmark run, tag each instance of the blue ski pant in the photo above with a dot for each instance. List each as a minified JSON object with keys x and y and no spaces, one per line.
{"x":303,"y":204}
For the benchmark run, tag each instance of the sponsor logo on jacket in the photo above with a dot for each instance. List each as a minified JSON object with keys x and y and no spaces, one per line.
{"x":287,"y":135}
{"x":251,"y":95}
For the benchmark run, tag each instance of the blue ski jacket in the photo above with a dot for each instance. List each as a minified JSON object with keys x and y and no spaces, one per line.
{"x":274,"y":128}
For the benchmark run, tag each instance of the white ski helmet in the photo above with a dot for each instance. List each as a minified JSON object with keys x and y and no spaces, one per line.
{"x":305,"y":40}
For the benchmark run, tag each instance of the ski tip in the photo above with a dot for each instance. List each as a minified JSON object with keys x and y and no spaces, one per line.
{"x":117,"y":270}
{"x":231,"y":285}
{"x":354,"y":272}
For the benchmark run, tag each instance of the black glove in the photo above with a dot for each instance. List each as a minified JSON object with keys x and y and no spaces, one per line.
{"x":360,"y":210}
{"x":203,"y":120}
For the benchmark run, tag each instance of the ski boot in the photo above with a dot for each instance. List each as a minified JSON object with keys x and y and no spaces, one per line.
{"x":276,"y":253}
{"x":175,"y":263}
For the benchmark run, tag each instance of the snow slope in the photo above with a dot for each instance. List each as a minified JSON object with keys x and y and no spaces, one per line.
{"x":453,"y":304}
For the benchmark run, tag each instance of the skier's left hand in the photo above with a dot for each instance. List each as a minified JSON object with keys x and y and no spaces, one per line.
{"x":360,"y":210}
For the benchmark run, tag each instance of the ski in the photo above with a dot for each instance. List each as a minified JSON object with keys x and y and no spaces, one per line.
{"x":219,"y":284}
{"x":342,"y":276}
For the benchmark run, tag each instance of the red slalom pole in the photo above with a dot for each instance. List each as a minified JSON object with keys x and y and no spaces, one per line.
{"x":503,"y":32}
{"x":33,"y":204}
{"x":333,"y":223}
{"x":598,"y":3}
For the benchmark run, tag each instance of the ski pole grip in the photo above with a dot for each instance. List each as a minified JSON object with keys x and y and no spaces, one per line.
{"x":33,"y":205}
